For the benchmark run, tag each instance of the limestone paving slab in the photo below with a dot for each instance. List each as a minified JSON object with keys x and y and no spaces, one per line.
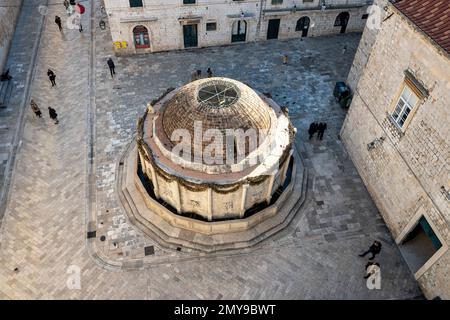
{"x":44,"y":228}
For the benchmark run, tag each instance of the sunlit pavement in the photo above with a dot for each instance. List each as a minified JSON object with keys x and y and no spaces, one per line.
{"x":44,"y":227}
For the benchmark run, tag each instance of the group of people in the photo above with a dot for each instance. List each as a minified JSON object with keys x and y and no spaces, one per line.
{"x":197,"y":74}
{"x":52,"y":112}
{"x":52,"y":77}
{"x":69,"y":5}
{"x":317,"y":127}
{"x":372,"y":267}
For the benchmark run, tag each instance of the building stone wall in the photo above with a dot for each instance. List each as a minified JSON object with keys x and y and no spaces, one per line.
{"x":164,"y":20}
{"x":406,"y":170}
{"x":9,"y":11}
{"x":366,"y":43}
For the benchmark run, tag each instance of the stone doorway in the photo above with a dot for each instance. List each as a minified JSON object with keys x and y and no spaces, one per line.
{"x":273,"y":29}
{"x":239,"y":31}
{"x":419,"y":245}
{"x":342,"y":21}
{"x":303,"y":26}
{"x":190,"y":35}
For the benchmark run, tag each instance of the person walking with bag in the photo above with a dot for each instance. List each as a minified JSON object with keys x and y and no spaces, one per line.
{"x":35,"y":109}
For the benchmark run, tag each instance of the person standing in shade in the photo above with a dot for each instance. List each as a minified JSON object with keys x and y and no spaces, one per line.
{"x":197,"y":74}
{"x":312,"y":129}
{"x":35,"y":109}
{"x":58,"y":22}
{"x":209,"y":72}
{"x":112,"y":67}
{"x":51,"y":75}
{"x":53,"y":115}
{"x":374,"y":249}
{"x":321,"y":130}
{"x":285,"y":59}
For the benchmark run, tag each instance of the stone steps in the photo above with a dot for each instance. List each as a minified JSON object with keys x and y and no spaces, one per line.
{"x":171,"y":237}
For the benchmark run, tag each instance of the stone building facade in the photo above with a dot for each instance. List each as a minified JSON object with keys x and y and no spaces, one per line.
{"x":397,"y":132}
{"x":161,"y":25}
{"x":9,"y":11}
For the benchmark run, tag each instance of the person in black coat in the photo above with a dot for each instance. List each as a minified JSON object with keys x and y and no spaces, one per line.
{"x":53,"y":115}
{"x":312,"y":129}
{"x":321,"y":129}
{"x":374,"y":249}
{"x":112,"y":67}
{"x":51,"y":75}
{"x":58,"y":22}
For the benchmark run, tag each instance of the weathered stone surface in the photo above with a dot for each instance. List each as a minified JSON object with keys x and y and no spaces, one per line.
{"x":164,"y":21}
{"x":9,"y":10}
{"x":44,"y":229}
{"x":405,"y":172}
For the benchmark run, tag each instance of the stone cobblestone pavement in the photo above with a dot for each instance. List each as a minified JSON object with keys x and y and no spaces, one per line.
{"x":44,"y":228}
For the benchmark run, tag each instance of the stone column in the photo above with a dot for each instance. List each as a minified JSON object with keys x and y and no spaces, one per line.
{"x":153,"y":127}
{"x":177,"y":196}
{"x":210,"y":204}
{"x":269,"y":189}
{"x":285,"y":167}
{"x":243,"y":198}
{"x":155,"y":181}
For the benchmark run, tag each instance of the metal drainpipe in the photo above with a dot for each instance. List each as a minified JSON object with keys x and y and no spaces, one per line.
{"x":258,"y":26}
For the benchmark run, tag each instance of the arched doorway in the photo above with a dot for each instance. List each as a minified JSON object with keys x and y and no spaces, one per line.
{"x":303,"y":26}
{"x":342,"y":21}
{"x":239,"y":31}
{"x":141,"y":38}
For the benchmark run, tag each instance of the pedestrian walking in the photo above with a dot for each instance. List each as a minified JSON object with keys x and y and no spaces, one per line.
{"x":35,"y":109}
{"x":209,"y":72}
{"x":197,"y":74}
{"x":112,"y":67}
{"x":58,"y":22}
{"x":80,"y":27}
{"x":53,"y":114}
{"x":344,"y":49}
{"x":312,"y":129}
{"x":66,"y":4}
{"x":374,"y":249}
{"x":285,"y":59}
{"x":51,"y":75}
{"x":321,"y":130}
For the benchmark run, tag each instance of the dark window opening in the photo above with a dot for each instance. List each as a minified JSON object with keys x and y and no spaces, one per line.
{"x":211,"y":26}
{"x":135,"y":3}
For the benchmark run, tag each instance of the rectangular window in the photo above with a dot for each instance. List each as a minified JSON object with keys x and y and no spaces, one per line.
{"x":406,"y":103}
{"x":211,"y":26}
{"x":277,"y":1}
{"x":188,"y":1}
{"x":135,"y":3}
